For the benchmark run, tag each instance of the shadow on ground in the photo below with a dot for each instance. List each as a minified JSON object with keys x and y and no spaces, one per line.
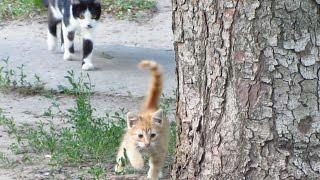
{"x":116,"y":66}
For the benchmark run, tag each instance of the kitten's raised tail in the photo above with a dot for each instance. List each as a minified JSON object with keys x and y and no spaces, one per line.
{"x":154,"y":93}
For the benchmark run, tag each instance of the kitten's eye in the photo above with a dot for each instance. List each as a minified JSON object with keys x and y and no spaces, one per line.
{"x":153,"y":135}
{"x":93,"y":17}
{"x":81,"y":16}
{"x":140,"y":136}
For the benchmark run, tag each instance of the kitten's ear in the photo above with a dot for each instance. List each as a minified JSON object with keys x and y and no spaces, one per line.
{"x":158,"y":116}
{"x":132,"y":119}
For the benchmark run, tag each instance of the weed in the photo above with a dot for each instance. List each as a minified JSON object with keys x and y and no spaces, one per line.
{"x":5,"y":162}
{"x":96,"y":171}
{"x":48,"y":112}
{"x":12,"y":79}
{"x":172,"y":142}
{"x":8,"y":122}
{"x":54,"y":109}
{"x":166,"y":104}
{"x":129,"y":93}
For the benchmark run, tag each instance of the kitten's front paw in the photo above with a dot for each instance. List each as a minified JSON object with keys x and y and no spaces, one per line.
{"x":150,"y":176}
{"x":87,"y":66}
{"x":119,"y":168}
{"x":160,"y":175}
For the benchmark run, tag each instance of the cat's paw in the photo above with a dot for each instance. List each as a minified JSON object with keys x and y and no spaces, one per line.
{"x":51,"y":48}
{"x":87,"y":66}
{"x":62,"y":48}
{"x":68,"y":56}
{"x":51,"y":42}
{"x":51,"y":45}
{"x":119,"y":168}
{"x":154,"y":175}
{"x":149,"y":174}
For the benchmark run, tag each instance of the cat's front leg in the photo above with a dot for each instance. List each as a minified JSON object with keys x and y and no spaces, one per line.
{"x":87,"y":50}
{"x":155,"y":162}
{"x":68,"y":36}
{"x":52,"y":31}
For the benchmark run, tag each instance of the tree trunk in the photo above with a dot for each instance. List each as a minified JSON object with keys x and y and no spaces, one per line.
{"x":248,"y":89}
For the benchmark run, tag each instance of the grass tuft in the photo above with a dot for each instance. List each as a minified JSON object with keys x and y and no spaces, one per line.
{"x":11,"y":9}
{"x":16,"y":79}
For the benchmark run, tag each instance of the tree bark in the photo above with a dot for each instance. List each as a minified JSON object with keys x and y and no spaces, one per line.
{"x":248,"y":89}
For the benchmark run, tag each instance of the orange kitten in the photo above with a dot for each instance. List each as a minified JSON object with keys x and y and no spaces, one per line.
{"x":148,"y":131}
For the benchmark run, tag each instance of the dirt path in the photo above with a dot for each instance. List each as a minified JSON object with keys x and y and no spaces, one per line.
{"x":120,"y":45}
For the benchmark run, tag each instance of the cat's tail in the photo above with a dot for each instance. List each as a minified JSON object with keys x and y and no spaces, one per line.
{"x":152,"y":99}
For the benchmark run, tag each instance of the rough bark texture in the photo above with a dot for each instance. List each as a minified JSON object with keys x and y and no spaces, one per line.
{"x":248,"y":89}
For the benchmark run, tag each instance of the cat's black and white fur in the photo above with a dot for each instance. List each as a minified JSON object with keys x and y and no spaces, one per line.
{"x":75,"y":15}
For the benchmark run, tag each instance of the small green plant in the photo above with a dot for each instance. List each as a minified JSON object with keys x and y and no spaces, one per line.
{"x":48,"y":112}
{"x":129,"y":93}
{"x":96,"y":172}
{"x":5,"y":162}
{"x":8,"y":122}
{"x":16,"y":79}
{"x":172,"y":142}
{"x":54,"y":109}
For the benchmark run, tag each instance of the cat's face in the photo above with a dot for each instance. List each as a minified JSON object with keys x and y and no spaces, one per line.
{"x":145,"y":129}
{"x":86,"y":12}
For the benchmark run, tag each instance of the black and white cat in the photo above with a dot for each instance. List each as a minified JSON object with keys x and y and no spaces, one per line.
{"x":75,"y":15}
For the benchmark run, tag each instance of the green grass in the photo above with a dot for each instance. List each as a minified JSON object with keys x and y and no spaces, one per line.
{"x":165,"y":105}
{"x":12,"y":9}
{"x":129,"y":8}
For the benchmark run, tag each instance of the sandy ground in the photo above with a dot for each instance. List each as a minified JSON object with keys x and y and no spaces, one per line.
{"x":120,"y":45}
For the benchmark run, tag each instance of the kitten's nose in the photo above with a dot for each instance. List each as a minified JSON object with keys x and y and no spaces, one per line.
{"x":147,"y":145}
{"x":89,"y":26}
